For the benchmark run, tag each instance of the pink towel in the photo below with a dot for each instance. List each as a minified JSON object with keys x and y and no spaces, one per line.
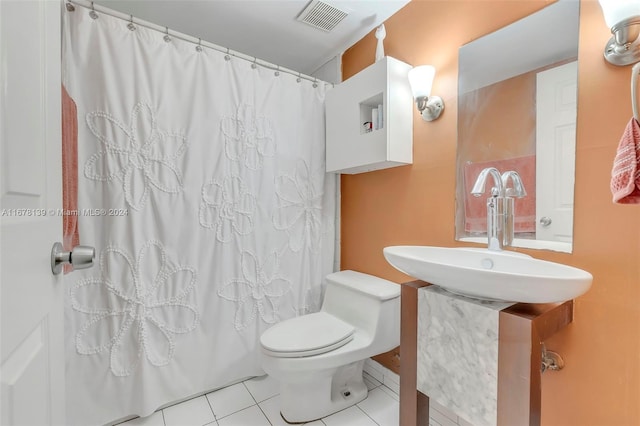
{"x":70,"y":235}
{"x":475,"y":208}
{"x":625,"y":175}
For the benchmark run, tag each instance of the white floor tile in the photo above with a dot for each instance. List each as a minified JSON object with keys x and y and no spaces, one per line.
{"x":228,"y":400}
{"x":391,"y":378}
{"x":262,"y":388}
{"x":155,"y":419}
{"x":352,"y":416}
{"x":381,"y":407}
{"x":194,"y":412}
{"x":236,"y":406}
{"x":391,"y":393}
{"x":251,"y":416}
{"x":393,"y":387}
{"x":271,"y":408}
{"x":370,"y":381}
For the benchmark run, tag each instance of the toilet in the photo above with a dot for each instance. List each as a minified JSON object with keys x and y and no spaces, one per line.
{"x":318,"y":358}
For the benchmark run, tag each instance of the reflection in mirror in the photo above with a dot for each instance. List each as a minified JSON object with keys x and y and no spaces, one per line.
{"x":517,"y":98}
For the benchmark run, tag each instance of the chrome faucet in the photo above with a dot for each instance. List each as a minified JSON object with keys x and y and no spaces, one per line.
{"x":500,"y":226}
{"x":478,"y":187}
{"x":518,"y":190}
{"x":495,"y":209}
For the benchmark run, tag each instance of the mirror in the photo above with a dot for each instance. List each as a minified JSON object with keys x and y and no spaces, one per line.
{"x":517,"y":99}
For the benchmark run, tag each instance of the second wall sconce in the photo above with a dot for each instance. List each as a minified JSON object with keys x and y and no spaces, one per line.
{"x":421,"y":80}
{"x":623,"y":17}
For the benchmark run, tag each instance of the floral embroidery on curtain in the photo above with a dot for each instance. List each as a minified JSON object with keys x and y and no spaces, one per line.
{"x":300,"y":208}
{"x":136,"y":307}
{"x":258,"y":291}
{"x":227,"y":207}
{"x":139,"y":154}
{"x":248,"y":138}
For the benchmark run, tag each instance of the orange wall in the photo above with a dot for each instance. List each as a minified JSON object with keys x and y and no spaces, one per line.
{"x":600,"y":384}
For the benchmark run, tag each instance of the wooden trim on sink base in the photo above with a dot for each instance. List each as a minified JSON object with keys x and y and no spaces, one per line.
{"x":414,"y":405}
{"x":522,"y":329}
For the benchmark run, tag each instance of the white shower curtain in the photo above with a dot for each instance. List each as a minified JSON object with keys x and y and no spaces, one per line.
{"x":202,"y":187}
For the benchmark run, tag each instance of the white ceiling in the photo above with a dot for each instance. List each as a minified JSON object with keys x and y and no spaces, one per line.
{"x":266,"y":29}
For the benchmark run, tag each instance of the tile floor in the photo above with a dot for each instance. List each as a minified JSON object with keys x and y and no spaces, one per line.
{"x":255,"y":402}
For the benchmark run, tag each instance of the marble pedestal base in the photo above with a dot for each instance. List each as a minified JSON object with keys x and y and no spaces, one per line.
{"x":458,"y":353}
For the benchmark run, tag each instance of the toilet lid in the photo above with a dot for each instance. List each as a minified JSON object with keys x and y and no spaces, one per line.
{"x":306,"y":335}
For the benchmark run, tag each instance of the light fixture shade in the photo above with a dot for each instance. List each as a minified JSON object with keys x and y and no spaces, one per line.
{"x":616,"y":11}
{"x":421,"y":80}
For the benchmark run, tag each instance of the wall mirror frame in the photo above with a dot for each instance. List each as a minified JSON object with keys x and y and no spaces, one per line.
{"x":517,"y":110}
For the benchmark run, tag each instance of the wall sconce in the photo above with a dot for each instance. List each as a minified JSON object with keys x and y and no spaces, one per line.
{"x":623,"y":17}
{"x":421,"y":80}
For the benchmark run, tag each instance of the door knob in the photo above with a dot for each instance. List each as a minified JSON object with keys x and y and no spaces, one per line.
{"x":80,"y":257}
{"x":545,"y":221}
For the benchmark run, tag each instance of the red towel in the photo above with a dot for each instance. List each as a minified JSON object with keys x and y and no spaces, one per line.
{"x":625,"y":175}
{"x":70,"y":235}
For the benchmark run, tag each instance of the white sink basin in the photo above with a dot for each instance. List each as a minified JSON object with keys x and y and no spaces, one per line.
{"x":489,"y":275}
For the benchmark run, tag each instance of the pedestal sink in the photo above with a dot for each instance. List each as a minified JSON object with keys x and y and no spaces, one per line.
{"x":490,"y":275}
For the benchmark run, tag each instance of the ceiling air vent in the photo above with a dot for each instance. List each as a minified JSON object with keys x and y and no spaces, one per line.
{"x":321,"y":15}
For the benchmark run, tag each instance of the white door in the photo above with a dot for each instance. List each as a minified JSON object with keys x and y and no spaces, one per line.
{"x":556,"y":103}
{"x":32,"y":335}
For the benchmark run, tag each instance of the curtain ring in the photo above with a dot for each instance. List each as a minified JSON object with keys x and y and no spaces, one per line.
{"x":254,"y":65}
{"x":199,"y":46}
{"x":167,"y":37}
{"x":277,"y":73}
{"x":227,"y":57}
{"x":299,"y":79}
{"x":131,"y":25}
{"x":315,"y":83}
{"x":70,"y":7}
{"x":92,"y":12}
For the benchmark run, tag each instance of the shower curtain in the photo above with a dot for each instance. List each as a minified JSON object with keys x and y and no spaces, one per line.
{"x":201,"y":184}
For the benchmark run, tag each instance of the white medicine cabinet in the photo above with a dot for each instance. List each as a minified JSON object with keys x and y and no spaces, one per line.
{"x":369,"y":120}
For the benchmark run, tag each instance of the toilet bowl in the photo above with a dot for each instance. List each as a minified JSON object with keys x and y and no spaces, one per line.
{"x":318,"y":358}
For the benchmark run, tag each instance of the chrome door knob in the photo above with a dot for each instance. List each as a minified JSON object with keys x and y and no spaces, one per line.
{"x":80,"y":257}
{"x":545,"y":221}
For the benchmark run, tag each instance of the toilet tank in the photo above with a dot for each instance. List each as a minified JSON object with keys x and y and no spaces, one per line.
{"x":367,"y":302}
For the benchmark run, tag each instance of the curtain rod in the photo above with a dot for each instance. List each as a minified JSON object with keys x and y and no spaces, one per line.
{"x":199,"y":43}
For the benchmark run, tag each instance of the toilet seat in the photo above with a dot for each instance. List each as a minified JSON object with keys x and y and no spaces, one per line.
{"x":307,"y":335}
